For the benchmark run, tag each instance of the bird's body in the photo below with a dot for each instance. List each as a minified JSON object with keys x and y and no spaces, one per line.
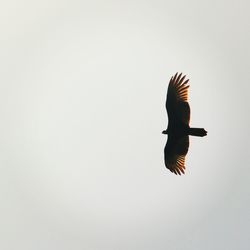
{"x":178,"y":129}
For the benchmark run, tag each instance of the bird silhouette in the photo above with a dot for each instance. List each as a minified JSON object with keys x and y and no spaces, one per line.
{"x":178,"y":129}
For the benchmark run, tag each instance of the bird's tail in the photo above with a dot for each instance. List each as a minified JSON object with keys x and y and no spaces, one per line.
{"x":197,"y":131}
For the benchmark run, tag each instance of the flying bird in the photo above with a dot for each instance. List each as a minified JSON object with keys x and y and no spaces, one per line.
{"x":178,"y":129}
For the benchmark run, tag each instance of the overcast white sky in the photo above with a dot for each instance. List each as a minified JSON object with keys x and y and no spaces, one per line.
{"x":82,"y":93}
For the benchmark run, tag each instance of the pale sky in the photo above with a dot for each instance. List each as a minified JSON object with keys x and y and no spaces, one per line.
{"x":82,"y":95}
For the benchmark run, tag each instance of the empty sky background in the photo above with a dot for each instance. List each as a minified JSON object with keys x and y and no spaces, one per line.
{"x":82,"y":93}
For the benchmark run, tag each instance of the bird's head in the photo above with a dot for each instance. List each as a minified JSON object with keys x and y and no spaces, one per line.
{"x":165,"y":132}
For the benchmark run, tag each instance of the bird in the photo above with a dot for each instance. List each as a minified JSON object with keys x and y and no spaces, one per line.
{"x":178,"y":129}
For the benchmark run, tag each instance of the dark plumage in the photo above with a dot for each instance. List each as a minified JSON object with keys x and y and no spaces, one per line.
{"x":178,"y":124}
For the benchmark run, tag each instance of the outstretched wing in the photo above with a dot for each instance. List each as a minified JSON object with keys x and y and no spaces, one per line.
{"x":175,"y":152}
{"x":177,"y":99}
